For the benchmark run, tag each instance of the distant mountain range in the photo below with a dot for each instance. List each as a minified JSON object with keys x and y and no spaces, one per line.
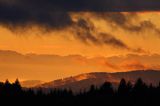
{"x":84,"y":81}
{"x":31,"y":83}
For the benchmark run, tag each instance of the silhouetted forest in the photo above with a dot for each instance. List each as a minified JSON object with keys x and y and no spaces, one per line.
{"x":127,"y":94}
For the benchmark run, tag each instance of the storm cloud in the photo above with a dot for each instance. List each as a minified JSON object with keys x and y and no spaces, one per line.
{"x":22,"y":13}
{"x":49,"y":15}
{"x":90,"y":5}
{"x":55,"y":13}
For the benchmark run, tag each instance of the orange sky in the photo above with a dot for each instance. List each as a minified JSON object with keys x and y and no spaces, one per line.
{"x":34,"y":41}
{"x":63,"y":43}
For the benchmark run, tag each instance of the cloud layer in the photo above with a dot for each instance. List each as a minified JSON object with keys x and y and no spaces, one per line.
{"x":90,"y":5}
{"x":23,"y":13}
{"x":49,"y":67}
{"x":56,"y":15}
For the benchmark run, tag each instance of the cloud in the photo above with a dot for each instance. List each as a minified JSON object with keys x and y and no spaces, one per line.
{"x":91,"y":5}
{"x":51,"y":65}
{"x":142,"y":26}
{"x":23,"y":13}
{"x":118,"y":18}
{"x":111,"y":40}
{"x":86,"y":32}
{"x":16,"y":16}
{"x":135,"y":62}
{"x":125,"y":21}
{"x":133,"y":65}
{"x":55,"y":13}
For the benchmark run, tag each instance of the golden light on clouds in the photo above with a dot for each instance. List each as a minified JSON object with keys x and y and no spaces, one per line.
{"x":93,"y":37}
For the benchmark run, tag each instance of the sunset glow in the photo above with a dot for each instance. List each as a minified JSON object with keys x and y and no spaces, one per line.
{"x":81,"y":40}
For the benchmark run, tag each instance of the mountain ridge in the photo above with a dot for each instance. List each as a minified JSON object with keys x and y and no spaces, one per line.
{"x":84,"y":81}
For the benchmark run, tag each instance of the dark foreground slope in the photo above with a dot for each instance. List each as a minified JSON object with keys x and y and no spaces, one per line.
{"x":127,"y":94}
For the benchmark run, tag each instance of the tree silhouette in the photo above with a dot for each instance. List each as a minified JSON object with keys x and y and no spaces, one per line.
{"x":127,"y":94}
{"x":106,"y":89}
{"x":122,"y":89}
{"x":92,"y":88}
{"x":129,"y":86}
{"x":7,"y":90}
{"x":140,"y":87}
{"x":17,"y":86}
{"x":7,"y":84}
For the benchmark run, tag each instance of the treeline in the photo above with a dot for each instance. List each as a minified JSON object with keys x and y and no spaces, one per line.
{"x":127,"y":94}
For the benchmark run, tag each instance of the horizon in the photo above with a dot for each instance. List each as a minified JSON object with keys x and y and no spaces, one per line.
{"x":102,"y":72}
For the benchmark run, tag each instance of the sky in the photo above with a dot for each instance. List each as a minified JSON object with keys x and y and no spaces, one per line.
{"x":47,"y":40}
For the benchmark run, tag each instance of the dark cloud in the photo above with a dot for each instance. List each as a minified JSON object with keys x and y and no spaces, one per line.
{"x":111,"y":40}
{"x":85,"y":31}
{"x":125,"y":21}
{"x":144,"y":25}
{"x":117,"y":18}
{"x":51,"y":14}
{"x":54,"y":13}
{"x":91,"y":5}
{"x":21,"y":13}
